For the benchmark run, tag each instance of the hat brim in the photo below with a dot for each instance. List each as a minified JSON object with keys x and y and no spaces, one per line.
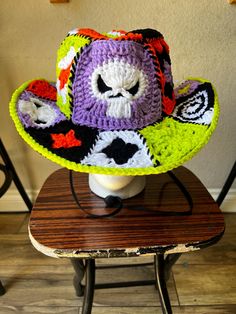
{"x":154,"y":149}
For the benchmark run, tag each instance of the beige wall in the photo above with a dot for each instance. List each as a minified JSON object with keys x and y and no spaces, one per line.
{"x":201,"y":35}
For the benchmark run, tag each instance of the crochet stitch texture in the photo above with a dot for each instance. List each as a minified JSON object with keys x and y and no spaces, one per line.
{"x":113,"y":108}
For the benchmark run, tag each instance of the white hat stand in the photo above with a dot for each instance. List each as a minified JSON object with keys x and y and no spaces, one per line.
{"x":121,"y":186}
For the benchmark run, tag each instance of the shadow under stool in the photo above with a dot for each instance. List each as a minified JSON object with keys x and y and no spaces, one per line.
{"x":158,"y":221}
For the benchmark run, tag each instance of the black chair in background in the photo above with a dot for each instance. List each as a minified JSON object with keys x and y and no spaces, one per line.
{"x":10,"y":175}
{"x":229,"y":181}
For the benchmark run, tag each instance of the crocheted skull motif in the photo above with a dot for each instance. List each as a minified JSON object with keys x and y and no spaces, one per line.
{"x":118,"y":82}
{"x":113,"y":109}
{"x":115,"y":87}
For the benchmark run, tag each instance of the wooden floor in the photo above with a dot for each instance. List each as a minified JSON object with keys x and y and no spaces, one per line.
{"x":202,"y":282}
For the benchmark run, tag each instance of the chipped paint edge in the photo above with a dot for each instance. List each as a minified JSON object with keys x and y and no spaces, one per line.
{"x":42,"y":248}
{"x":129,"y":252}
{"x":111,"y":253}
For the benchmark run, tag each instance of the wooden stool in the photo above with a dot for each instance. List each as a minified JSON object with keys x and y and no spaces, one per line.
{"x":157,"y":222}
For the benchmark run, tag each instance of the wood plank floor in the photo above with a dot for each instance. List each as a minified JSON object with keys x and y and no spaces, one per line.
{"x":202,"y":282}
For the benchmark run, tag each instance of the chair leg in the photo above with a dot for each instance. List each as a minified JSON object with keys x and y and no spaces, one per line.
{"x":170,"y":260}
{"x":11,"y":169}
{"x":79,"y":275}
{"x":227,"y":185}
{"x":2,"y":289}
{"x":89,"y":287}
{"x":161,"y":284}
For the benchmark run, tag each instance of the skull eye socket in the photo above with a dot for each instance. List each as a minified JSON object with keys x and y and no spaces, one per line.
{"x":102,"y":87}
{"x":38,"y":121}
{"x":37,"y":105}
{"x":133,"y":90}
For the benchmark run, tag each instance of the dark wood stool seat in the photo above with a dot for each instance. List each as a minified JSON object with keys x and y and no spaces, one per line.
{"x":154,"y":222}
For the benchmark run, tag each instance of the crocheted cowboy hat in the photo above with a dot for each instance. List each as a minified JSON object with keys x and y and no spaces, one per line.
{"x":113,"y":109}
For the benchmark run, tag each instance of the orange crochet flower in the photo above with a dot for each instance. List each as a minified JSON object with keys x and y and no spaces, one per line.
{"x":67,"y":140}
{"x":43,"y":89}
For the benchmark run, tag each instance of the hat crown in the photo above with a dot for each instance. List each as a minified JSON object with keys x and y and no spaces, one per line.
{"x":117,"y":80}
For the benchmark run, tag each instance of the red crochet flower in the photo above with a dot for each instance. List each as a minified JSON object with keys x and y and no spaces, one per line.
{"x":43,"y":89}
{"x":65,"y":140}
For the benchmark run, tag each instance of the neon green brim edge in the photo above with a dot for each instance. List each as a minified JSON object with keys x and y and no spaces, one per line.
{"x":104,"y":170}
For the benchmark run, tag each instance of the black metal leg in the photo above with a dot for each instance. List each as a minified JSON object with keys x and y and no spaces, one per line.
{"x":79,"y":275}
{"x":10,"y":168}
{"x":89,"y":287}
{"x":2,"y":289}
{"x":161,"y":284}
{"x":229,"y":181}
{"x":170,"y":260}
{"x":7,"y":181}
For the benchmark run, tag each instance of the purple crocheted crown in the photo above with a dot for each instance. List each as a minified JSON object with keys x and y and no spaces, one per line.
{"x":116,"y":83}
{"x":115,"y":87}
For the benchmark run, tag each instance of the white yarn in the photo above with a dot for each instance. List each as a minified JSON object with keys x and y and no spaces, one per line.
{"x":44,"y":113}
{"x":140,"y":159}
{"x":195,"y":109}
{"x":65,"y":62}
{"x":74,"y":31}
{"x":119,"y":108}
{"x":115,"y":33}
{"x":62,"y":91}
{"x":120,"y":76}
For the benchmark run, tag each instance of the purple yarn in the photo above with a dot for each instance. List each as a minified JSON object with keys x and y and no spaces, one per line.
{"x":193,"y":86}
{"x":90,"y":110}
{"x":26,"y":119}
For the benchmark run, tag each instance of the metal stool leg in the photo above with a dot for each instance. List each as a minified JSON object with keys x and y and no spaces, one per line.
{"x":10,"y":168}
{"x":7,"y":182}
{"x":170,"y":260}
{"x":89,"y":287}
{"x":229,"y":181}
{"x":2,"y":289}
{"x":161,"y":284}
{"x":79,"y":275}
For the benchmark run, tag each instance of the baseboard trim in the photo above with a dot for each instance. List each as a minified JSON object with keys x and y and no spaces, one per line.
{"x":12,"y":201}
{"x":229,"y":203}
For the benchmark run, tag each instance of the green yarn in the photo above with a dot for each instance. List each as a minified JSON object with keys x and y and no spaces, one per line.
{"x":77,"y":42}
{"x":111,"y":35}
{"x":170,"y":140}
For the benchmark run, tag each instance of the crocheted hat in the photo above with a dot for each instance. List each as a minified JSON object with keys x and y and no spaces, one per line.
{"x":113,"y":109}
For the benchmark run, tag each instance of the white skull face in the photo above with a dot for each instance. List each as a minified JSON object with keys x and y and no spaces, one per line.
{"x":119,"y":83}
{"x":115,"y":86}
{"x":40,"y":113}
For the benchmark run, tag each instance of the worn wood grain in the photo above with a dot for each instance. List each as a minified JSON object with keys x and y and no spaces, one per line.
{"x":230,"y":223}
{"x":47,"y":292}
{"x":25,"y":224}
{"x":121,"y":310}
{"x":16,"y":249}
{"x":11,"y":223}
{"x":176,"y":310}
{"x":57,"y":225}
{"x":39,"y":284}
{"x":201,"y":284}
{"x":38,"y":309}
{"x":54,"y":287}
{"x":224,"y":252}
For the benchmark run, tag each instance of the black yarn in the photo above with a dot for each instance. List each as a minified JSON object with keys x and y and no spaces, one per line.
{"x":116,"y":202}
{"x":147,"y":33}
{"x":110,"y":201}
{"x":83,"y":133}
{"x":120,"y":151}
